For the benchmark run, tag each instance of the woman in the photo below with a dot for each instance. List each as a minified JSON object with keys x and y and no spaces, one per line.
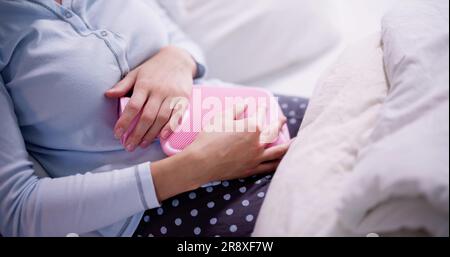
{"x":58,"y":59}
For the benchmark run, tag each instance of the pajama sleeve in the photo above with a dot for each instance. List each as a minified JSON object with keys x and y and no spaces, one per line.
{"x":30,"y":206}
{"x":179,"y":39}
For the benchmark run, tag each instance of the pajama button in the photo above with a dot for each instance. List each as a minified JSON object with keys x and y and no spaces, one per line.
{"x":104,"y":34}
{"x":68,"y":15}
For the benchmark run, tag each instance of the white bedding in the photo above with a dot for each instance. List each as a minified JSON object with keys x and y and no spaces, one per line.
{"x":365,"y":163}
{"x":401,"y":179}
{"x":305,"y":192}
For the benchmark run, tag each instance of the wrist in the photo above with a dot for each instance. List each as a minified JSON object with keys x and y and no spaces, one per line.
{"x":197,"y":167}
{"x":187,"y":62}
{"x":177,"y":174}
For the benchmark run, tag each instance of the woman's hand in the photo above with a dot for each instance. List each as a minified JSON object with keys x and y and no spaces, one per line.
{"x":168,"y":75}
{"x":238,"y":149}
{"x":216,"y":156}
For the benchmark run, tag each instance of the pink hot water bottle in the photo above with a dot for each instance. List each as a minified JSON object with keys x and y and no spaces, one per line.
{"x":206,"y":101}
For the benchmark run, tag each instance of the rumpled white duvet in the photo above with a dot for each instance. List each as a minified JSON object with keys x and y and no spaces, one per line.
{"x":372,"y":155}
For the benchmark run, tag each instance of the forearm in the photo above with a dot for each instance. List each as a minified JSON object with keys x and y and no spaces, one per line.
{"x":178,"y":174}
{"x":74,"y":204}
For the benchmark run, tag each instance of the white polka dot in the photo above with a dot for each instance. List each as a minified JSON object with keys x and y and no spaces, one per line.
{"x":227,"y":197}
{"x":160,"y":211}
{"x":245,"y":203}
{"x":192,"y":196}
{"x":175,"y":203}
{"x":163,"y":230}
{"x":243,"y":189}
{"x":295,"y":99}
{"x":197,"y":231}
{"x":229,"y":212}
{"x":211,"y":205}
{"x":178,"y":222}
{"x":268,"y":176}
{"x":261,"y":194}
{"x":213,"y":221}
{"x":209,"y":189}
{"x":194,"y":213}
{"x":249,"y":218}
{"x":293,"y":121}
{"x":284,"y":106}
{"x":146,"y":219}
{"x":233,"y":228}
{"x":303,"y":106}
{"x":258,"y":182}
{"x":241,"y":180}
{"x":226,"y":184}
{"x":139,"y":235}
{"x":292,"y":113}
{"x":216,"y":236}
{"x":151,"y":235}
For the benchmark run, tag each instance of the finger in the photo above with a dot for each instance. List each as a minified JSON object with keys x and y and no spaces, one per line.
{"x":264,"y":168}
{"x":178,"y":108}
{"x":239,"y":110}
{"x":225,"y":120}
{"x":122,"y":87}
{"x":162,"y":119}
{"x":275,"y":153}
{"x":132,"y":109}
{"x":271,"y":133}
{"x":147,"y":119}
{"x":255,"y":122}
{"x":235,"y":112}
{"x":233,"y":115}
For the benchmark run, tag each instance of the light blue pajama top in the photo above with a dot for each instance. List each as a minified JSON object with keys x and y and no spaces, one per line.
{"x":56,"y":62}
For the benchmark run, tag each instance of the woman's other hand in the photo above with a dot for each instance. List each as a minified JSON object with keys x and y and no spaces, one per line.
{"x":222,"y":155}
{"x":237,"y":148}
{"x":168,"y":75}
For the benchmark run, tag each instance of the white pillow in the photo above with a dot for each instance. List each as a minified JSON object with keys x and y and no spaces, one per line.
{"x":244,"y":40}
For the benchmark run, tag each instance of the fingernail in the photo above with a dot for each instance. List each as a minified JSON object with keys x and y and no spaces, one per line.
{"x":130,"y":147}
{"x":112,"y":90}
{"x":165,"y":134}
{"x":119,"y":133}
{"x":145,"y":144}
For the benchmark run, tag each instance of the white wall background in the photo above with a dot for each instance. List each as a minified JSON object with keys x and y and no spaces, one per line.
{"x":355,"y":20}
{"x":257,"y":42}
